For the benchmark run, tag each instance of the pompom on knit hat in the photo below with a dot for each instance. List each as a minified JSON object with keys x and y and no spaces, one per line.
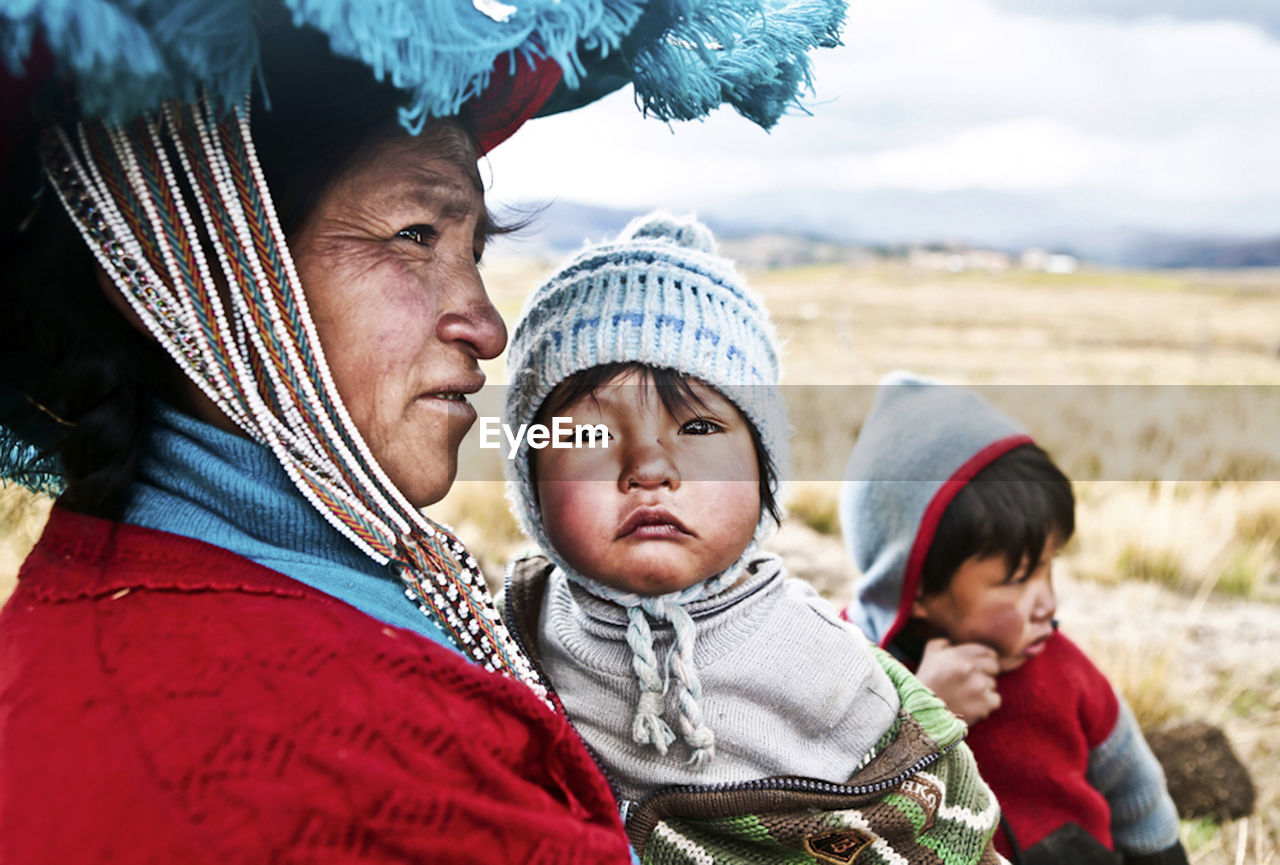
{"x":659,"y":295}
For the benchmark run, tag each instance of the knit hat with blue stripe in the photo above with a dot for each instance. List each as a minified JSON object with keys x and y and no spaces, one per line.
{"x":659,"y":295}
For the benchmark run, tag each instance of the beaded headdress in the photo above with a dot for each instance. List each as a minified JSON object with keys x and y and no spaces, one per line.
{"x":161,"y":179}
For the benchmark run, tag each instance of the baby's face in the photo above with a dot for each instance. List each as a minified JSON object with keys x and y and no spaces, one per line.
{"x":983,"y":604}
{"x":671,"y":501}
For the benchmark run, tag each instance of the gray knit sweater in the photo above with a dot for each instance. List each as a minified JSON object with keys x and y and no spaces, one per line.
{"x":788,"y":688}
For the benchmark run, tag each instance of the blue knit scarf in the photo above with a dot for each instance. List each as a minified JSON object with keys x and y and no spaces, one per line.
{"x":201,"y":482}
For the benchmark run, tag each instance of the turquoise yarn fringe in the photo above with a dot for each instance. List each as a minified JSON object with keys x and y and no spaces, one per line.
{"x":686,"y":57}
{"x":128,"y":56}
{"x":26,"y":466}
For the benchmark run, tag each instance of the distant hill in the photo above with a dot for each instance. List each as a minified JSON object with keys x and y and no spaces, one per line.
{"x":1221,"y":253}
{"x":846,"y":228}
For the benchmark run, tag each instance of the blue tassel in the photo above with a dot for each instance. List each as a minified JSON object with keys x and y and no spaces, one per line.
{"x":109,"y":53}
{"x":752,"y":55}
{"x":128,"y":56}
{"x":442,"y":53}
{"x":686,"y":56}
{"x":27,"y":466}
{"x":210,"y":44}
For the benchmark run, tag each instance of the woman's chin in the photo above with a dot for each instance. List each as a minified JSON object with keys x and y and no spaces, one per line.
{"x":424,"y":480}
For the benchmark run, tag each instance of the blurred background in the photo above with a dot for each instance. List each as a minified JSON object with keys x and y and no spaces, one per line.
{"x":1071,"y":204}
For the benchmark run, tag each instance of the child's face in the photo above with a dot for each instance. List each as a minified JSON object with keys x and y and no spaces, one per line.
{"x":672,"y":501}
{"x":982,"y":604}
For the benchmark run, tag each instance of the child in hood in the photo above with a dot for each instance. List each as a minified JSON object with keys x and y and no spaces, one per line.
{"x":954,"y":516}
{"x":737,"y":716}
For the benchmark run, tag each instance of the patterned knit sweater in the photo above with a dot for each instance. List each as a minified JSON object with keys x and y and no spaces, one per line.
{"x":164,"y":700}
{"x":918,"y":799}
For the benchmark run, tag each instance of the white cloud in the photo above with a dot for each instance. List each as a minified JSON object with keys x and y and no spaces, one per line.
{"x":1260,"y":13}
{"x":963,"y":94}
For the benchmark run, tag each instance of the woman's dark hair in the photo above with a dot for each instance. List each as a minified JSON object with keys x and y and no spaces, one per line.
{"x":1010,"y":508}
{"x":676,"y":391}
{"x":75,"y":376}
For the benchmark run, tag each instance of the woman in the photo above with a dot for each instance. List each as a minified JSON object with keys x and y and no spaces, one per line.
{"x":239,"y":639}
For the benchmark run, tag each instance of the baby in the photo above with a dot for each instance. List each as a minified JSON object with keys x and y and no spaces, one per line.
{"x":738,"y":718}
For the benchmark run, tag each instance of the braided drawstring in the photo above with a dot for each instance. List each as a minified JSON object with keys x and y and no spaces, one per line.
{"x":648,"y":728}
{"x":693,"y":727}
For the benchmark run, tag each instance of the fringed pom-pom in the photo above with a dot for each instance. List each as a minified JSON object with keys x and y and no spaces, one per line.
{"x":29,"y":467}
{"x":752,"y":55}
{"x":686,"y":57}
{"x":683,"y":231}
{"x":129,"y":56}
{"x":443,"y":53}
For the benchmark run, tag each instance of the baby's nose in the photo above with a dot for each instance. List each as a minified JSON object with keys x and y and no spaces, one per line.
{"x":650,"y":466}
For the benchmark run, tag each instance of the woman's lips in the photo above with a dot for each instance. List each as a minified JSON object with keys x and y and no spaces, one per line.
{"x":652,"y":523}
{"x":453,"y":398}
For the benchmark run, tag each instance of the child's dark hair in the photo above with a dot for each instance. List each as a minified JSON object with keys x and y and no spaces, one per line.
{"x":677,"y":394}
{"x":1010,"y":508}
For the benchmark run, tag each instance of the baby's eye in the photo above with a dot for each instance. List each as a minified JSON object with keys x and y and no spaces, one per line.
{"x":700,"y":426}
{"x":593,"y":435}
{"x":423,"y":235}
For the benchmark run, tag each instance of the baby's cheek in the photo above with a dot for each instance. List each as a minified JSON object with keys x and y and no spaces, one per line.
{"x":566,"y":512}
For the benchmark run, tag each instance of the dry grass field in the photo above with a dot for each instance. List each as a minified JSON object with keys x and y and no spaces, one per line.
{"x":1157,"y":392}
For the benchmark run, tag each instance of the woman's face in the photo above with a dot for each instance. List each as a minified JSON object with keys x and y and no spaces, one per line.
{"x":388,"y":263}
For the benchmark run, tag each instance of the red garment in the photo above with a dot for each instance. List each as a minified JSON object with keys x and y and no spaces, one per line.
{"x":163,"y":700}
{"x":1034,"y":750}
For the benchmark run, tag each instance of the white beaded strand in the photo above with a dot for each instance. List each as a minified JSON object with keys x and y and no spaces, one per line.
{"x":316,"y":457}
{"x":213,"y":376}
{"x":317,"y":350}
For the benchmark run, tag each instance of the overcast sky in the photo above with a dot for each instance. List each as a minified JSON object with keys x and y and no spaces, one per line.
{"x":1169,"y":106}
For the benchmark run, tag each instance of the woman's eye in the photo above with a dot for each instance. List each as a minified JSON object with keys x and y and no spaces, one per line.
{"x":422,"y":235}
{"x":700,"y":426}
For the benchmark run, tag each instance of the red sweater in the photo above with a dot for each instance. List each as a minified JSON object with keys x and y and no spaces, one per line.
{"x":163,"y":700}
{"x":1034,"y":750}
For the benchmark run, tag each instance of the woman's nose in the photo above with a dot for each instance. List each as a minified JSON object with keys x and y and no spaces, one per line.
{"x":470,"y":318}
